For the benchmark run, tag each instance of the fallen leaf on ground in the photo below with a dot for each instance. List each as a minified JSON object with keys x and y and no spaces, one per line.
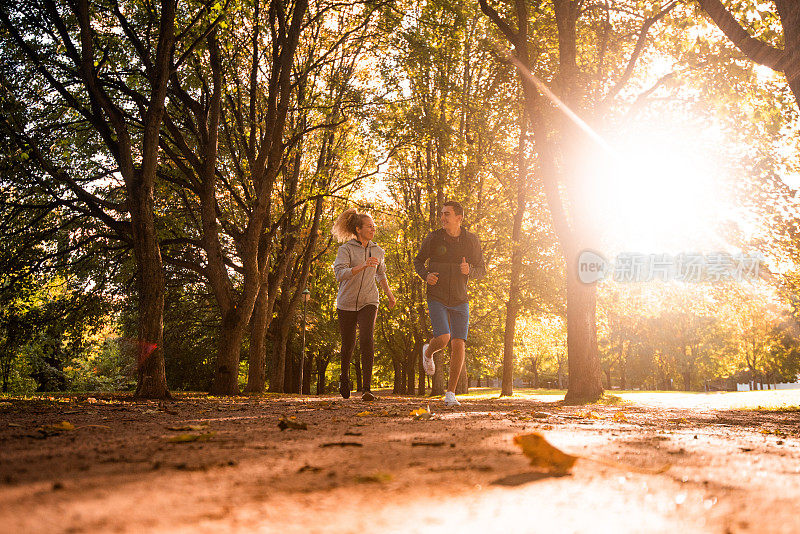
{"x":422,"y":414}
{"x":543,"y":455}
{"x":292,"y":423}
{"x":620,"y":417}
{"x":589,"y":415}
{"x":187,"y":438}
{"x":540,"y":415}
{"x":366,"y":413}
{"x":63,"y":425}
{"x":421,"y":443}
{"x":195,"y":428}
{"x":377,"y":477}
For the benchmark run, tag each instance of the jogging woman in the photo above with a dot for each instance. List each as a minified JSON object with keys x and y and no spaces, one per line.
{"x":359,"y":263}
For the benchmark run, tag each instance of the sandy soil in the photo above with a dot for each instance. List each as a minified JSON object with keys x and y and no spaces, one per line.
{"x":385,"y":471}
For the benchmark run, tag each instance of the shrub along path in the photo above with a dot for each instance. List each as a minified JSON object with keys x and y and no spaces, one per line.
{"x":201,"y":464}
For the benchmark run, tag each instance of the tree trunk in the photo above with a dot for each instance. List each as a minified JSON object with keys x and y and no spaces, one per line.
{"x":257,"y":356}
{"x":398,"y":383}
{"x":411,"y":360}
{"x":512,"y":306}
{"x":151,"y":377}
{"x":308,"y":369}
{"x":584,"y":366}
{"x":151,"y":372}
{"x":229,"y":350}
{"x":278,"y":360}
{"x":322,"y":368}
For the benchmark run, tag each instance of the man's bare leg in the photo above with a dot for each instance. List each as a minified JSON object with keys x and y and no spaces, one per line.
{"x":436,"y":344}
{"x":457,"y":351}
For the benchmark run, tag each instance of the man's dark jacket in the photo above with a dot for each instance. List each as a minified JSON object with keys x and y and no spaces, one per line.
{"x":444,"y":254}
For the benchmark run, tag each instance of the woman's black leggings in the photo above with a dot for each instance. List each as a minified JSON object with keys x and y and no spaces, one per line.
{"x":365,"y":320}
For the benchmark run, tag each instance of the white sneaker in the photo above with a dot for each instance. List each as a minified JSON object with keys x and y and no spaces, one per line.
{"x":427,"y":362}
{"x":450,"y":399}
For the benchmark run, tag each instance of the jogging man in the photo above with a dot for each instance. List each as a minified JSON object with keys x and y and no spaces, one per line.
{"x":454,"y":256}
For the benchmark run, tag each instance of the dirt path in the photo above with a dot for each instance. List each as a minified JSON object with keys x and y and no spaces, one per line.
{"x":384,"y":471}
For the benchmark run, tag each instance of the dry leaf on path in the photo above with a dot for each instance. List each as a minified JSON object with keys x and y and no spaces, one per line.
{"x":543,"y":455}
{"x":421,"y":414}
{"x":589,"y":415}
{"x":377,"y":477}
{"x":620,"y":417}
{"x":195,"y":428}
{"x":63,"y":425}
{"x":187,"y":438}
{"x":292,"y":423}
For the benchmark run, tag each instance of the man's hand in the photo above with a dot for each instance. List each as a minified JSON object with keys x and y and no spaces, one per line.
{"x":392,"y":301}
{"x":371,"y":262}
{"x":464,"y":266}
{"x":432,"y":279}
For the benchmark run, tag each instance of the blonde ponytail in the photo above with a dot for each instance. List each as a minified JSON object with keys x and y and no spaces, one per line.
{"x":345,"y":225}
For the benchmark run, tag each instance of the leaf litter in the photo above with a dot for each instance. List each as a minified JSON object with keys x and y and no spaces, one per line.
{"x":545,"y":456}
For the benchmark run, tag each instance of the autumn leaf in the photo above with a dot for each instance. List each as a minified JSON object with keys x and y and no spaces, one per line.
{"x":195,"y":428}
{"x":63,"y":425}
{"x":291,"y":423}
{"x":620,"y":417}
{"x":589,"y":415}
{"x":366,"y":413}
{"x":187,"y":438}
{"x":422,"y":414}
{"x":543,"y":455}
{"x":377,"y":477}
{"x":420,"y":411}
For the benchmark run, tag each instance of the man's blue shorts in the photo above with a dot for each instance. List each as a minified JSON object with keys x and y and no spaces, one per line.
{"x":453,"y":320}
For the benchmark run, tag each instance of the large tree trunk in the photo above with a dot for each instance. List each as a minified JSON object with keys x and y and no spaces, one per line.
{"x":322,"y":367}
{"x":398,"y":384}
{"x":257,"y":356}
{"x":410,"y":373}
{"x":152,"y":378}
{"x":585,"y":384}
{"x":229,"y":349}
{"x":512,"y":306}
{"x":151,"y":373}
{"x":308,"y":369}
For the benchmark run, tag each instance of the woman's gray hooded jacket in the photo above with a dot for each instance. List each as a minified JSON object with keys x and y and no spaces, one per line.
{"x":358,"y":290}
